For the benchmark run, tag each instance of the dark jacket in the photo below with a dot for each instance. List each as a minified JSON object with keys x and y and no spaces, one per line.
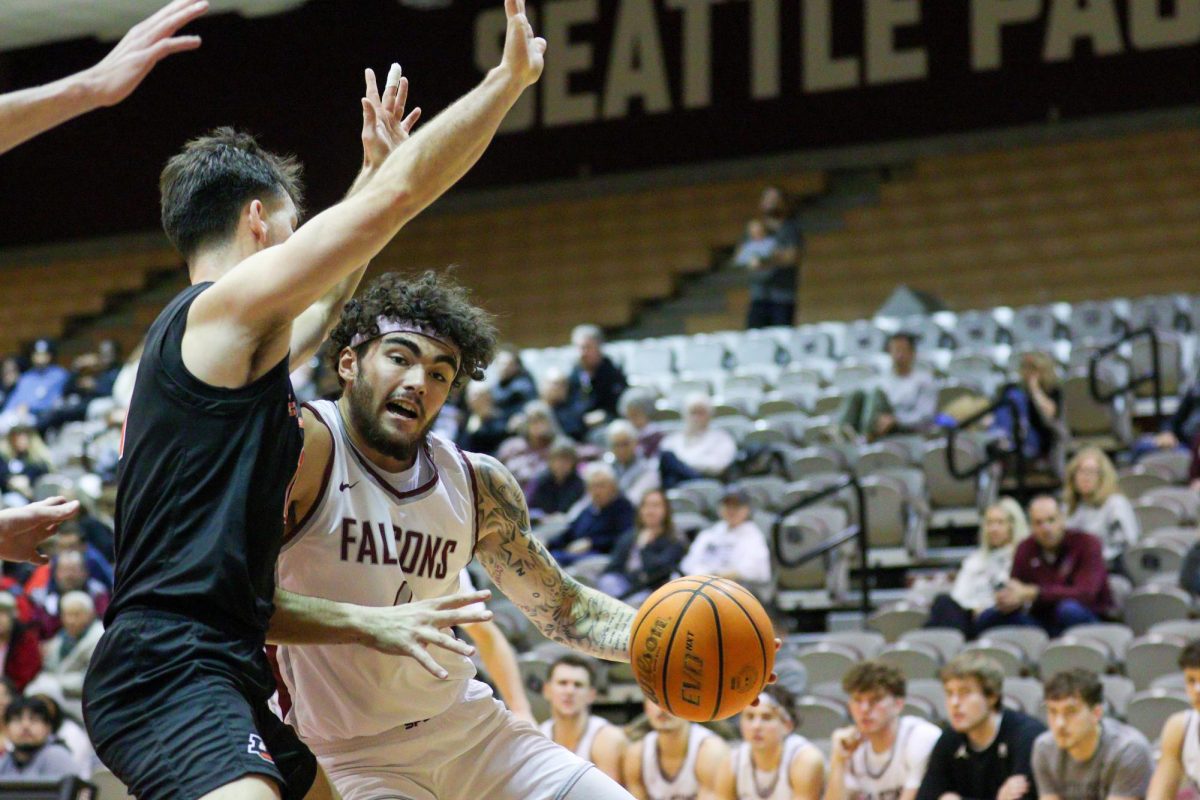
{"x":552,"y":497}
{"x":603,"y":526}
{"x":1076,"y":572}
{"x":660,"y":558}
{"x":954,"y":767}
{"x":600,"y":390}
{"x":511,"y":396}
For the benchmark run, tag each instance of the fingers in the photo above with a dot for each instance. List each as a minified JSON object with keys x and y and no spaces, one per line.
{"x":461,"y":616}
{"x":60,"y":510}
{"x":398,"y":100}
{"x":176,"y":44}
{"x":38,"y":558}
{"x":462,"y":599}
{"x":447,"y":642}
{"x":369,"y":117}
{"x":372,"y":90}
{"x":513,"y":7}
{"x":391,"y":87}
{"x":773,"y":678}
{"x":410,"y":121}
{"x":425,"y":660}
{"x":178,"y":19}
{"x":778,"y":644}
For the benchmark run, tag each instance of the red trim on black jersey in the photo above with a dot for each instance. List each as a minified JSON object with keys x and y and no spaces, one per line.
{"x":312,"y":510}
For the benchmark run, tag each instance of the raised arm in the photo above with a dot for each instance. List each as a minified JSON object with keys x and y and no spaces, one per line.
{"x":29,"y":112}
{"x":23,"y":529}
{"x":562,"y":609}
{"x":264,"y":294}
{"x":384,"y":129}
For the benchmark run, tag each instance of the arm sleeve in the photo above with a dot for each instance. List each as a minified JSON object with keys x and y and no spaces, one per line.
{"x":920,"y":747}
{"x":1134,"y":768}
{"x":1090,"y":578}
{"x":937,"y":772}
{"x":1043,"y":772}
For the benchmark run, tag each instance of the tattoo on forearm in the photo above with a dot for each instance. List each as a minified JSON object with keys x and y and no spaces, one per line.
{"x":562,"y":609}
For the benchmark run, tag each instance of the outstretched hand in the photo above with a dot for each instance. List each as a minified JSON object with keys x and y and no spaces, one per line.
{"x":147,"y":43}
{"x":411,"y":628}
{"x":384,"y":125}
{"x":524,"y":53}
{"x":23,"y":529}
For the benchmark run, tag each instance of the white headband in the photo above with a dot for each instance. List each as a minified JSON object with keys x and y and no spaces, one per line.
{"x":765,"y":699}
{"x":388,"y":325}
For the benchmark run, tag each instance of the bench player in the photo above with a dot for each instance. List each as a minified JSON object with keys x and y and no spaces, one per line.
{"x":677,"y":760}
{"x":570,"y":689}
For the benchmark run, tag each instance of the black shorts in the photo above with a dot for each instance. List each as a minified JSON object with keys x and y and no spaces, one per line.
{"x":176,"y":709}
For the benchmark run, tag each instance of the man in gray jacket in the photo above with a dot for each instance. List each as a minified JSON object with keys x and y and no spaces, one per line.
{"x":33,"y":753}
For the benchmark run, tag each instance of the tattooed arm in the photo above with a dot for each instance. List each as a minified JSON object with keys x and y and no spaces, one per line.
{"x":522,"y":568}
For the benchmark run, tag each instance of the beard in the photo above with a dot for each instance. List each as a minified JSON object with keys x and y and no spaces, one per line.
{"x":366,"y":421}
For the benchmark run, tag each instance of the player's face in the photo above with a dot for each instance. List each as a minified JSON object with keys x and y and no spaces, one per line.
{"x":569,"y":691}
{"x":874,"y":711}
{"x":396,"y":390}
{"x":1071,"y":721}
{"x":1191,"y":682}
{"x":763,"y":726}
{"x":966,"y":704}
{"x":661,"y":720}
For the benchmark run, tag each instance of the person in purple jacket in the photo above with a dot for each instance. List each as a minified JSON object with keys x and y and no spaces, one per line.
{"x":1058,"y":576}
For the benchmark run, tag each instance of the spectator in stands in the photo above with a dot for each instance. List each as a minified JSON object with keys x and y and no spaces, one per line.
{"x":596,"y":528}
{"x":570,"y":689}
{"x":771,"y":252}
{"x":904,"y":402}
{"x":27,"y":458}
{"x":484,"y":429}
{"x":988,"y":750}
{"x":555,"y":394}
{"x":1084,"y":755}
{"x":92,"y":376}
{"x":635,"y":473}
{"x":70,"y":538}
{"x":1179,"y":735}
{"x":1182,"y":432}
{"x":734,"y":548}
{"x":984,"y":571}
{"x":559,"y":487}
{"x":514,"y":387}
{"x":10,"y":373}
{"x":883,"y":754}
{"x":19,"y":645}
{"x":35,"y":753}
{"x":595,"y":385}
{"x":770,"y":747}
{"x":526,"y":454}
{"x":70,"y":575}
{"x":68,"y":732}
{"x":1039,"y":402}
{"x":1096,"y":505}
{"x":637,"y":405}
{"x":66,"y":655}
{"x":1058,"y":578}
{"x":645,"y":557}
{"x":40,"y":388}
{"x":707,"y":450}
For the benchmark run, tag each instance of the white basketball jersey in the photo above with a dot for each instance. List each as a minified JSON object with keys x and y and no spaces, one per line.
{"x":375,"y":538}
{"x":881,"y":776}
{"x":766,"y":785}
{"x":590,"y":729}
{"x":1191,"y":747}
{"x":683,"y":786}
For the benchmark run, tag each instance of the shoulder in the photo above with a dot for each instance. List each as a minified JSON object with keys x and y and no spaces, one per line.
{"x":1044,"y":746}
{"x":1021,"y":723}
{"x":1129,"y":740}
{"x":924,"y":734}
{"x":711,"y":749}
{"x":1173,"y":732}
{"x":611,"y":736}
{"x":318,"y":435}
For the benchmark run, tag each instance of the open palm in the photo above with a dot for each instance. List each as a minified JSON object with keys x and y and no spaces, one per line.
{"x":147,"y":43}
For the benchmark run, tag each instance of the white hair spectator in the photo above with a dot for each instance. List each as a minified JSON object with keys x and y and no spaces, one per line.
{"x":597,"y":472}
{"x":637,"y":399}
{"x":697,"y":401}
{"x":586,"y":333}
{"x":620,"y":428}
{"x":79,"y":600}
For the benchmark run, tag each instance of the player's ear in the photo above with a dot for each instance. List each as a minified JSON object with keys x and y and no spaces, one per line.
{"x":256,"y":222}
{"x":348,"y":364}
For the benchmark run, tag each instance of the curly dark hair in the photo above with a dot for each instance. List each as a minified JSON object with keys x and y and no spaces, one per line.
{"x":434,"y":299}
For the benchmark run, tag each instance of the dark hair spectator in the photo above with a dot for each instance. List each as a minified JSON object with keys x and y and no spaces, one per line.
{"x":70,"y":575}
{"x":636,"y":474}
{"x":485,"y":429}
{"x":645,"y":557}
{"x":637,"y":405}
{"x":40,"y":388}
{"x":26,"y":458}
{"x":770,"y":251}
{"x":595,"y":384}
{"x":904,"y":402}
{"x":555,"y":392}
{"x":514,"y":386}
{"x":34,"y":752}
{"x":874,"y":676}
{"x":526,"y":454}
{"x":558,"y":488}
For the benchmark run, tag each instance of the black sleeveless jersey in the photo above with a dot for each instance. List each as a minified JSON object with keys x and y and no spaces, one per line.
{"x":202,"y":483}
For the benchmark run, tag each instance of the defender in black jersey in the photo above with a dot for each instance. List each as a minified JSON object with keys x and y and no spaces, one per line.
{"x":175,"y":698}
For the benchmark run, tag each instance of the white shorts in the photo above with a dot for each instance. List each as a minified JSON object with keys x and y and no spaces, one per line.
{"x":476,"y":749}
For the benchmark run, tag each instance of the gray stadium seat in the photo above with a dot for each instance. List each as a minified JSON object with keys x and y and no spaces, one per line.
{"x":920,"y":707}
{"x":1175,"y":683}
{"x":1118,"y":690}
{"x":830,"y":690}
{"x":932,"y":692}
{"x":766,"y":491}
{"x":810,"y":461}
{"x":1028,"y":640}
{"x":1006,"y":654}
{"x":1151,"y":657}
{"x":868,"y":644}
{"x":1034,"y":325}
{"x":947,"y":641}
{"x":1025,"y":694}
{"x":876,"y":458}
{"x":894,"y":620}
{"x":1150,"y":604}
{"x":1140,"y":480}
{"x":1186,"y":629}
{"x":1152,"y":516}
{"x":915,"y":660}
{"x":951,"y":501}
{"x":705,"y":491}
{"x":792,"y":675}
{"x":1070,"y":652}
{"x":1186,"y":499}
{"x":1113,"y":635}
{"x":1148,"y":711}
{"x":1174,"y":463}
{"x":975,"y":330}
{"x":819,"y":717}
{"x":1145,"y":560}
{"x":1094,"y":319}
{"x":1104,"y":425}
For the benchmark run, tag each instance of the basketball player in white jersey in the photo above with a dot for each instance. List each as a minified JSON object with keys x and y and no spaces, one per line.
{"x":570,"y":689}
{"x":384,"y":512}
{"x":883,"y":755}
{"x":1180,"y":757}
{"x":772,"y":763}
{"x":677,"y":760}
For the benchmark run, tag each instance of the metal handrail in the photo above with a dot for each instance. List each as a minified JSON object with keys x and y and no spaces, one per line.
{"x":858,"y":532}
{"x":993,"y":454}
{"x":1155,"y":375}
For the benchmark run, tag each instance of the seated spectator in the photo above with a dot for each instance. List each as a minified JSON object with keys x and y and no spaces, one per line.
{"x":19,"y":645}
{"x":559,"y":487}
{"x":707,"y":450}
{"x":988,"y":751}
{"x":635,"y":473}
{"x":34,"y":752}
{"x":984,"y":571}
{"x":67,"y":731}
{"x":596,"y":528}
{"x":637,"y":405}
{"x":1039,"y":403}
{"x":904,"y":402}
{"x":1095,"y":504}
{"x":485,"y":429}
{"x":734,"y":548}
{"x":514,"y":387}
{"x":555,"y":394}
{"x":771,"y":749}
{"x":526,"y":454}
{"x":595,"y":385}
{"x":1180,"y":735}
{"x":10,"y":373}
{"x":70,"y":575}
{"x":70,"y":538}
{"x":1058,"y":577}
{"x":66,"y":655}
{"x":1086,"y":755}
{"x":770,"y":251}
{"x":884,"y":753}
{"x":646,"y":556}
{"x":26,"y":458}
{"x":92,"y":376}
{"x":39,"y":388}
{"x":1181,"y":432}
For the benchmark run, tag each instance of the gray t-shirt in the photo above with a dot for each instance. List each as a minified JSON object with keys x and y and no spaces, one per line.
{"x":1120,"y":767}
{"x":52,"y":761}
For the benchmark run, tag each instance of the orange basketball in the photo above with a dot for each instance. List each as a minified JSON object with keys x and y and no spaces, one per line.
{"x":702,"y":648}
